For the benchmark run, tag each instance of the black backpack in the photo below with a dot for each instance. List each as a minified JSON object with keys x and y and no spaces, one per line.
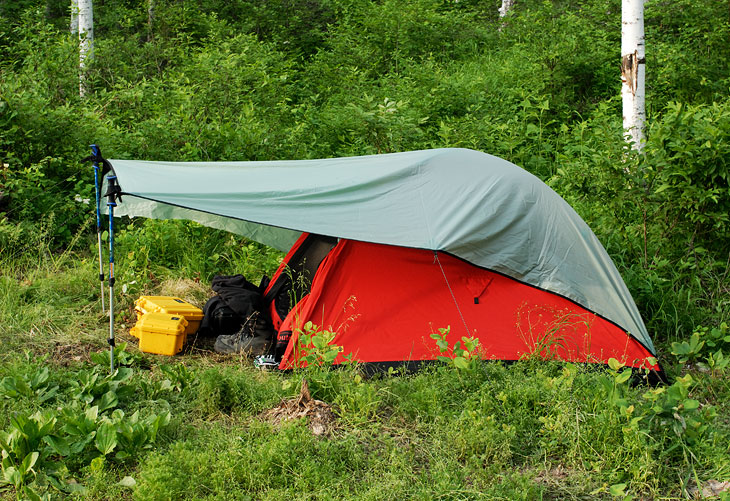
{"x":237,"y":300}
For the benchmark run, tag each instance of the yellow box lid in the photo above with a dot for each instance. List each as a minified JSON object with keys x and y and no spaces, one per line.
{"x":169,"y":304}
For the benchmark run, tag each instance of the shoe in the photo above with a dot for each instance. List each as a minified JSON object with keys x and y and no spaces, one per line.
{"x":242,"y":342}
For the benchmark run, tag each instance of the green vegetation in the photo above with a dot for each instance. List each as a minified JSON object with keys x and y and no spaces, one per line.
{"x":255,"y":80}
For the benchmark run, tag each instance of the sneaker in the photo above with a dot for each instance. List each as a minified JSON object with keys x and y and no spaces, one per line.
{"x":242,"y":342}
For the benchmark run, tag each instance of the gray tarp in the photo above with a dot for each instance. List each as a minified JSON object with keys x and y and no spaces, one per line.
{"x":475,"y":206}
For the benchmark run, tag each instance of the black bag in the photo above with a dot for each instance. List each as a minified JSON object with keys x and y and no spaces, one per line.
{"x":219,"y":318}
{"x":237,"y":301}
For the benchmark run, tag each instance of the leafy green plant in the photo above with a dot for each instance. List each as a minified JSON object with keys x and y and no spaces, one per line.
{"x":464,"y":354}
{"x":672,"y":407}
{"x":688,"y":351}
{"x":315,"y":347}
{"x":79,"y":427}
{"x":45,"y":444}
{"x":179,"y":375}
{"x":716,"y":337}
{"x":102,"y":390}
{"x":36,"y":386}
{"x":26,"y":449}
{"x":122,"y":357}
{"x":131,"y":435}
{"x":716,"y":362}
{"x":701,"y":343}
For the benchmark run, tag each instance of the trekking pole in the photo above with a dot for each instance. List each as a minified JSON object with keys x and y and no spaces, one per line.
{"x":97,"y":155}
{"x":113,"y":192}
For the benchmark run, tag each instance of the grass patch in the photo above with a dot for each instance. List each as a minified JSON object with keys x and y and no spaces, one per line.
{"x":194,"y":426}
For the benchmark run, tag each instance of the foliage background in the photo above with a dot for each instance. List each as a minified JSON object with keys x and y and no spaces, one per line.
{"x":259,"y":80}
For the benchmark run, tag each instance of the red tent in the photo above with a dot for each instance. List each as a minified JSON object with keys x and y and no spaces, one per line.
{"x":384,"y":302}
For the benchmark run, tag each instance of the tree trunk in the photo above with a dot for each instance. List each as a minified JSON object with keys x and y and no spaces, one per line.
{"x":86,"y":41}
{"x":633,"y":71}
{"x":74,"y":24}
{"x":505,"y":8}
{"x":150,"y":19}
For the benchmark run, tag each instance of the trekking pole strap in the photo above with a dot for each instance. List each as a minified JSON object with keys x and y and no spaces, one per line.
{"x":97,"y":158}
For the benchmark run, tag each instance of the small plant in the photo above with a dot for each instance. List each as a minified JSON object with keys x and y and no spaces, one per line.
{"x":716,"y":337}
{"x":688,"y":351}
{"x":615,"y":384}
{"x":129,"y":436}
{"x":36,"y":386}
{"x":315,"y":347}
{"x":715,"y":362}
{"x":122,"y":357}
{"x":672,"y":407}
{"x":464,"y":356}
{"x":104,"y":391}
{"x":713,"y":340}
{"x":180,"y":377}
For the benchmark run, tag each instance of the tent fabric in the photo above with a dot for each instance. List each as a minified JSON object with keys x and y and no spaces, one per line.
{"x":469,"y":204}
{"x":351,"y":296}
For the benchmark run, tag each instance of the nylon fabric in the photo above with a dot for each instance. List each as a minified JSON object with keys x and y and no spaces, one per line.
{"x":511,"y":320}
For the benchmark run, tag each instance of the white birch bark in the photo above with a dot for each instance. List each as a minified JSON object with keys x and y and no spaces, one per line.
{"x":74,"y":24}
{"x":505,"y":8}
{"x":86,"y":40}
{"x":633,"y":71}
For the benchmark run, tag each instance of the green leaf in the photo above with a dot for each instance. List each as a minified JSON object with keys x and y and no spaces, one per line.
{"x":614,"y":364}
{"x":318,"y":342}
{"x":461,"y":363}
{"x":106,"y":438}
{"x":92,"y":413}
{"x":690,"y":404}
{"x":28,"y":462}
{"x":12,"y":476}
{"x":30,"y":494}
{"x":59,"y":445}
{"x":623,"y":376}
{"x":39,"y":377}
{"x":9,"y":386}
{"x":108,"y":400}
{"x":617,"y":490}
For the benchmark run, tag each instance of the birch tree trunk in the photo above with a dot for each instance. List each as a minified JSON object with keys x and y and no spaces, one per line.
{"x":505,"y":8}
{"x":74,"y":24}
{"x":86,"y":40}
{"x":633,"y":71}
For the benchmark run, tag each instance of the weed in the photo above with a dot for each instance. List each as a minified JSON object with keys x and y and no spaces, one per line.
{"x":464,"y":357}
{"x":315,"y":347}
{"x":35,"y":387}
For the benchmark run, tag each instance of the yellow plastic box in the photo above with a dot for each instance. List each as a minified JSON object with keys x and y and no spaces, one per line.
{"x":170,"y":305}
{"x":160,"y":333}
